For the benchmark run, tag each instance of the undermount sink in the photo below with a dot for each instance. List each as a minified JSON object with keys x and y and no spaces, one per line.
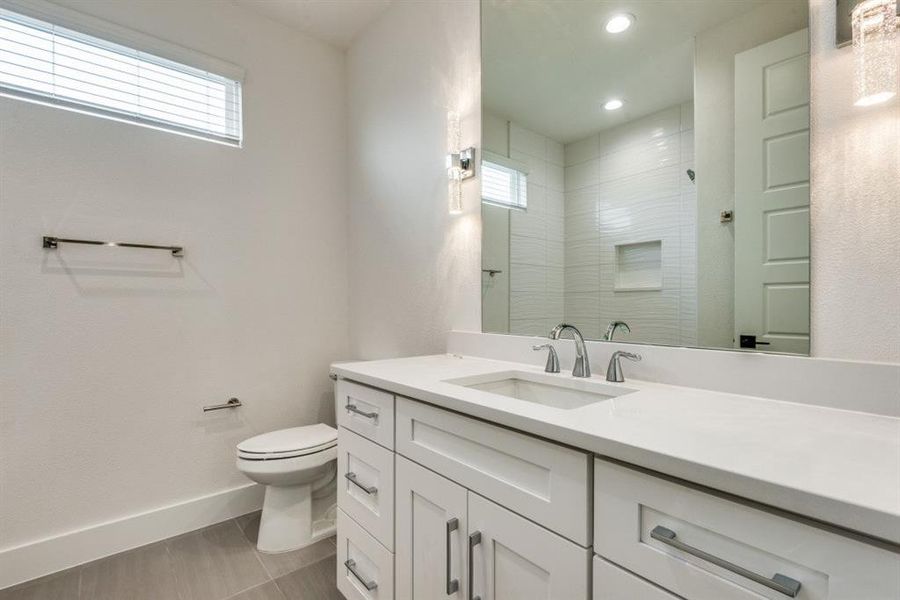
{"x":556,"y":391}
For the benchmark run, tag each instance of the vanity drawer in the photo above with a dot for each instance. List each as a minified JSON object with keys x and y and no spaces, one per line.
{"x":366,"y":484}
{"x":613,"y":583}
{"x":720,"y":547}
{"x":540,"y":480}
{"x":365,"y":568}
{"x":367,"y":411}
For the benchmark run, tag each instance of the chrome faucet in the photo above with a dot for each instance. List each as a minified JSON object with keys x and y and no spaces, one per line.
{"x":552,"y":365}
{"x":614,"y":370}
{"x":582,"y":366}
{"x":611,"y":330}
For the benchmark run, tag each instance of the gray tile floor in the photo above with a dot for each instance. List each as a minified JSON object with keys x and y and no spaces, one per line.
{"x":217,"y":563}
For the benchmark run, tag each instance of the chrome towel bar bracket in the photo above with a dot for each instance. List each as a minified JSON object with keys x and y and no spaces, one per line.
{"x":52,"y":243}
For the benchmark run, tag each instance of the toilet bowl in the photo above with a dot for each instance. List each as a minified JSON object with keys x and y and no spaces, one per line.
{"x":298,"y":468}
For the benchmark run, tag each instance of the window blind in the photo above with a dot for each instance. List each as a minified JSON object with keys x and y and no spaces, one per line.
{"x":503,"y":185}
{"x":46,"y":63}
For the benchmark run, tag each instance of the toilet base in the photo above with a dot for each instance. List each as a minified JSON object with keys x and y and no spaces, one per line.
{"x":293,"y":518}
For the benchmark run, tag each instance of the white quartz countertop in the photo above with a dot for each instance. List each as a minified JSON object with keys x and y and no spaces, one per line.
{"x":836,"y":466}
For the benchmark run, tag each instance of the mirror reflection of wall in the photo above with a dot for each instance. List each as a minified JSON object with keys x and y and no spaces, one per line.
{"x":656,"y":194}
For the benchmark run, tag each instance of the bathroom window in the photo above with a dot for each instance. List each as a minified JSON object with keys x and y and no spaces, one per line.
{"x":503,"y":182}
{"x":46,"y":63}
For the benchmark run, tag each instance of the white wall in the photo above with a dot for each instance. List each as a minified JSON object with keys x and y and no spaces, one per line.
{"x":414,"y":268}
{"x":109,"y":354}
{"x":855,"y":208}
{"x":714,"y":52}
{"x":628,"y":185}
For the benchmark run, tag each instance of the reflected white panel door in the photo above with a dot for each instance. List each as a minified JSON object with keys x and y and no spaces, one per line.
{"x":514,"y":559}
{"x":431,"y":527}
{"x":771,"y":177}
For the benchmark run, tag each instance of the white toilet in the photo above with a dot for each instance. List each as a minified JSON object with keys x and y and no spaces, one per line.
{"x":298,"y":468}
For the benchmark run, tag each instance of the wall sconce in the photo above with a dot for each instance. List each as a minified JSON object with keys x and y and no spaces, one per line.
{"x":460,"y":166}
{"x":460,"y":163}
{"x":871,"y":26}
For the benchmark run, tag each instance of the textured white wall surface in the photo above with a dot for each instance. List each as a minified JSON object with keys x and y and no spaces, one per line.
{"x":855,"y":208}
{"x":109,"y":354}
{"x":414,"y":268}
{"x":624,"y":186}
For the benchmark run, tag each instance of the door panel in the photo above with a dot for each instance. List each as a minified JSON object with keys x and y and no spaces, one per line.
{"x":613,"y":583}
{"x":771,"y":227}
{"x":516,"y":559}
{"x":426,"y":504}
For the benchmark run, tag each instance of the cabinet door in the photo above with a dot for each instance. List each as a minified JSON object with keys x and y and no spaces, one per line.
{"x":613,"y":583}
{"x":431,"y":535}
{"x":514,"y":559}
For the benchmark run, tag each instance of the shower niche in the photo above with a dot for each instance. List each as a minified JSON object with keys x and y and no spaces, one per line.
{"x":639,"y":267}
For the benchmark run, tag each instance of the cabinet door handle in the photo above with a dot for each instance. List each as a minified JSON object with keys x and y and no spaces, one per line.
{"x":778,"y":582}
{"x":351,"y":566}
{"x":452,"y":584}
{"x":369,"y":489}
{"x":355,"y":409}
{"x":474,"y":540}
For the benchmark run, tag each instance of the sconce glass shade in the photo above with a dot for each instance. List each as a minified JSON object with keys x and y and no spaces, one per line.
{"x":454,"y":171}
{"x":454,"y":190}
{"x":874,"y":24}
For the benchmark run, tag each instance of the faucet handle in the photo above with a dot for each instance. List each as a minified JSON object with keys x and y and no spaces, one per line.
{"x":552,"y":365}
{"x":614,"y":370}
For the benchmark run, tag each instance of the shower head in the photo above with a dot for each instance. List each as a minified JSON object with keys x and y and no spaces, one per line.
{"x":690,"y":173}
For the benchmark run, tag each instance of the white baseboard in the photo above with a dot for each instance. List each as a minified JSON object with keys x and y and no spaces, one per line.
{"x":43,"y":557}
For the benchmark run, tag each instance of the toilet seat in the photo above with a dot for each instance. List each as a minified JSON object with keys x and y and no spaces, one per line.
{"x":288,"y":443}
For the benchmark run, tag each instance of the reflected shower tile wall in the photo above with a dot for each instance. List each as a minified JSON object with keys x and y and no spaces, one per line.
{"x":627,"y":185}
{"x":555,"y":203}
{"x":537,"y":251}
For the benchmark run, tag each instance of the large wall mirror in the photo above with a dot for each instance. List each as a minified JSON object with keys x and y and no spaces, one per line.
{"x":645,"y":173}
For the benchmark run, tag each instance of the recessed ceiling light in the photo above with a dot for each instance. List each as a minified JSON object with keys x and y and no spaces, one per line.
{"x":619,"y":23}
{"x":614,"y":104}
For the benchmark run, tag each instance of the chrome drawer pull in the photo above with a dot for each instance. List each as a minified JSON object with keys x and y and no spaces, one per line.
{"x":778,"y":582}
{"x":369,"y":415}
{"x":369,"y":489}
{"x":452,"y":584}
{"x":351,"y":566}
{"x":474,"y":540}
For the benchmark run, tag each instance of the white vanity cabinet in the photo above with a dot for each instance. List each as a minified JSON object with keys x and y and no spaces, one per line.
{"x":463,"y":510}
{"x":365,"y":495}
{"x":613,"y":583}
{"x":432,"y":521}
{"x":700,"y":545}
{"x":436,"y":505}
{"x":514,"y":559}
{"x":542,"y":481}
{"x":454,"y":544}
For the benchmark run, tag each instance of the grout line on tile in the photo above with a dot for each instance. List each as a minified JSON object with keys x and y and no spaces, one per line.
{"x":253,"y":587}
{"x":255,"y":553}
